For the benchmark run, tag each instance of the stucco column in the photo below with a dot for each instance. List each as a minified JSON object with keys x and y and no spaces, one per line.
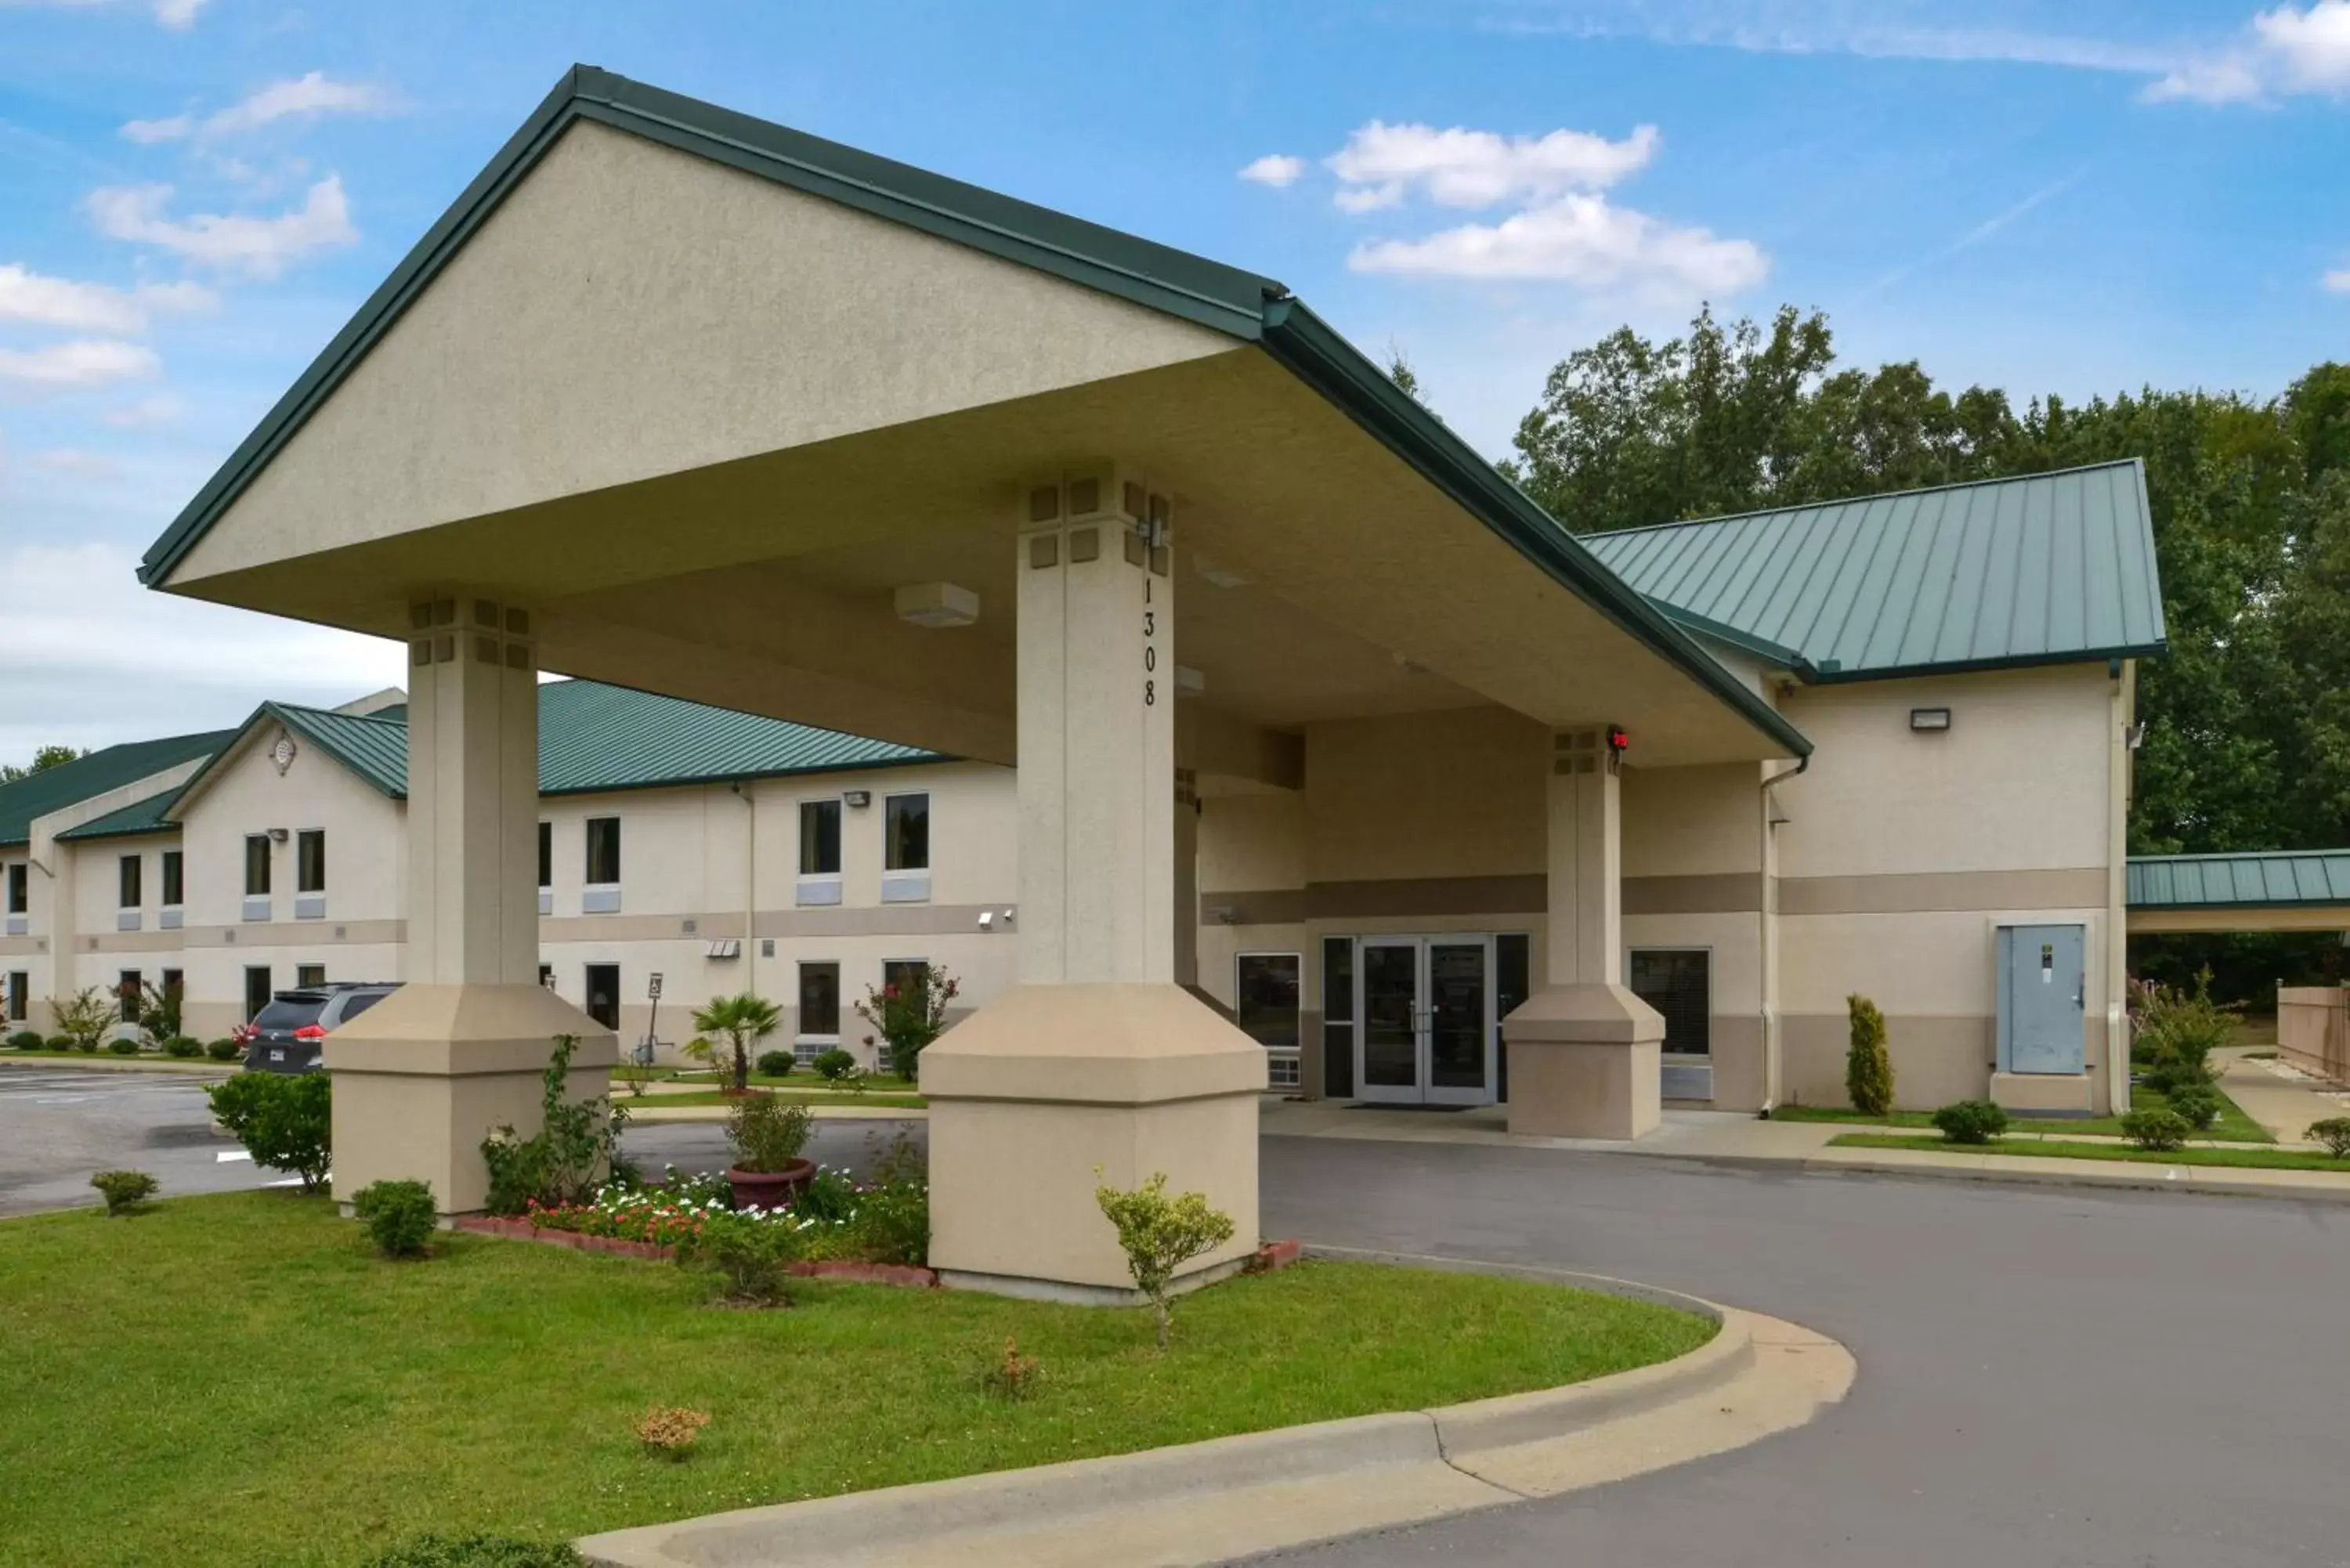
{"x":425,"y":1074}
{"x":1098,"y":1067}
{"x":1584,"y":1051}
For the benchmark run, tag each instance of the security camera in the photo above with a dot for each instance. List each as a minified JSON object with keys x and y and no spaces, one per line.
{"x":986,"y":920}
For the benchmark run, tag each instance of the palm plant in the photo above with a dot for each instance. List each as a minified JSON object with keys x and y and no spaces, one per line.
{"x":744,"y":1020}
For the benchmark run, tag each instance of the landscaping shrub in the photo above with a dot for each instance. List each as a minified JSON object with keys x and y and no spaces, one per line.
{"x":222,"y":1050}
{"x":1869,"y":1065}
{"x":669,"y":1430}
{"x":576,"y":1147}
{"x":286,"y":1120}
{"x":125,"y":1046}
{"x":124,"y":1190}
{"x":438,"y":1551}
{"x":26,"y":1040}
{"x":2173,"y":1032}
{"x":776,"y":1064}
{"x":829,"y":1196}
{"x":743,"y":1020}
{"x":1971,"y":1121}
{"x":85,"y":1019}
{"x":184,"y":1047}
{"x":88,"y":1047}
{"x":834,"y":1066}
{"x":748,"y":1254}
{"x":158,"y":1015}
{"x":911,"y":1013}
{"x":767,"y":1134}
{"x":2197,"y":1103}
{"x":1159,"y":1234}
{"x":1010,"y":1377}
{"x":2161,"y":1131}
{"x":2333,"y":1132}
{"x":61,"y":1043}
{"x":892,"y":1223}
{"x":399,"y":1215}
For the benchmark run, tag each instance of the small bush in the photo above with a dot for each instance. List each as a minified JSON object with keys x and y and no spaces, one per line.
{"x":2161,"y":1131}
{"x":26,"y":1040}
{"x":286,"y":1121}
{"x":2198,"y":1103}
{"x":834,"y":1066}
{"x":61,"y":1042}
{"x":577,"y":1144}
{"x":1869,"y":1065}
{"x":828,"y":1197}
{"x":125,"y":1046}
{"x":767,"y":1134}
{"x":85,"y":1018}
{"x":2173,"y":1032}
{"x":1010,"y":1377}
{"x":1159,"y":1234}
{"x":123,"y":1190}
{"x":87,"y":1047}
{"x":2333,"y":1132}
{"x":224,"y":1050}
{"x":749,"y":1255}
{"x":399,"y":1215}
{"x":776,"y":1064}
{"x":438,"y":1551}
{"x":1971,"y":1121}
{"x":669,"y":1431}
{"x":184,"y":1047}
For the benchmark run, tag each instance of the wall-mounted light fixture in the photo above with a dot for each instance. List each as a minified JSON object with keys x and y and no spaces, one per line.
{"x":937,"y":604}
{"x":278,"y":835}
{"x":857,"y":799}
{"x":1930,"y":717}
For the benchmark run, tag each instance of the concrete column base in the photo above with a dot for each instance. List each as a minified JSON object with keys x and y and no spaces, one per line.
{"x":425,"y":1074}
{"x":2044,"y":1094}
{"x":1584,"y":1063}
{"x":1050,"y":1091}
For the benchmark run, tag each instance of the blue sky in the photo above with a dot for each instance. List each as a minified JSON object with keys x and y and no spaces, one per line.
{"x":2076,"y":198}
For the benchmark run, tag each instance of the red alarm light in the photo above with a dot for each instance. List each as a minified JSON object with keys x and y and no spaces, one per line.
{"x":1617,"y":741}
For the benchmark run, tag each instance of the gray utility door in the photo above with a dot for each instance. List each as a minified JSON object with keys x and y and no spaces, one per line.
{"x":2040,"y":998}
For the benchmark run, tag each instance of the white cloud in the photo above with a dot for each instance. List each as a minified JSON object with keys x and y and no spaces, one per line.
{"x":232,"y":242}
{"x":1382,"y":163}
{"x":158,"y":410}
{"x":1275,"y":168}
{"x":2338,"y":280}
{"x":30,"y":296}
{"x":77,"y":462}
{"x":89,"y":657}
{"x":1579,"y":239}
{"x":83,"y":363}
{"x":2288,"y":50}
{"x":304,"y":97}
{"x":178,"y":15}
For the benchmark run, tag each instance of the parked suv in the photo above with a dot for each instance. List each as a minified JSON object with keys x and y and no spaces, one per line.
{"x":288,"y":1035}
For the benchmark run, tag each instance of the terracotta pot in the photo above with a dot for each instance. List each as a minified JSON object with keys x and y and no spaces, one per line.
{"x":769,"y":1190}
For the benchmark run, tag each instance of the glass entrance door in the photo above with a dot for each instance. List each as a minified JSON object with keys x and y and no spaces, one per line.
{"x":1426,"y":1006}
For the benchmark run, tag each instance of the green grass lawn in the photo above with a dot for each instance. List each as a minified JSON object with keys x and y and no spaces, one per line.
{"x":238,"y":1380}
{"x":885,"y":1081}
{"x":2056,"y":1148}
{"x":2233,"y":1126}
{"x":788,"y":1097}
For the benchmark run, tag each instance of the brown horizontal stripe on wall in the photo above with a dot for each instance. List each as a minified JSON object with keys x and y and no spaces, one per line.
{"x":1928,"y":892}
{"x":1732,"y":893}
{"x":1406,"y":898}
{"x":828,"y":921}
{"x":290,"y":934}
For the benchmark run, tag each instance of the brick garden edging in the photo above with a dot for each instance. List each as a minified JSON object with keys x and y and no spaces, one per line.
{"x":1264,"y":1260}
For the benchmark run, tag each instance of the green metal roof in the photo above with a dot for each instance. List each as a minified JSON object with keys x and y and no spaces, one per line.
{"x":139,"y":817}
{"x":2275,"y":880}
{"x":52,"y":789}
{"x":1249,"y":306}
{"x":2043,"y":569}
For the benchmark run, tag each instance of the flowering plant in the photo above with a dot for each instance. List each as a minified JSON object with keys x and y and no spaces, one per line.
{"x":911,"y":1012}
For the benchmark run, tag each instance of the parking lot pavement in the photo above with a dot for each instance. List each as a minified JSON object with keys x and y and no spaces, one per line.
{"x":59,"y":1125}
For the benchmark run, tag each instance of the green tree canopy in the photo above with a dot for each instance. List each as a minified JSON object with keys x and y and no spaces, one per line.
{"x":45,"y":759}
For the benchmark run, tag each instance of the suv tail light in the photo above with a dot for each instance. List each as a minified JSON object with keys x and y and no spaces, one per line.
{"x":310,"y":1032}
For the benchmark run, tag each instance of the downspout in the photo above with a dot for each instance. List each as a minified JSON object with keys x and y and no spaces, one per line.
{"x":2124,"y":699}
{"x":742,"y":791}
{"x":1766,"y":950}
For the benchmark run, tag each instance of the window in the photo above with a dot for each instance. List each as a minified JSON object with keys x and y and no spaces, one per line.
{"x":1513,"y":984}
{"x":1267,"y":1013}
{"x":309,"y":974}
{"x":819,"y":1024}
{"x":904,"y":975}
{"x":129,"y":989}
{"x":257,"y":988}
{"x":1676,"y":982}
{"x":310,"y":860}
{"x":604,"y":979}
{"x":603,"y":851}
{"x":546,"y":975}
{"x":175,"y":984}
{"x":127,"y":880}
{"x":20,"y":994}
{"x":819,"y":838}
{"x":906,"y":833}
{"x":546,"y":854}
{"x":1338,"y":1017}
{"x":19,"y":890}
{"x":173,"y":881}
{"x":256,"y":866}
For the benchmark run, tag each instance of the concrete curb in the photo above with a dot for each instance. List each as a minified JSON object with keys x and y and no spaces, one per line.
{"x":2141,"y":1176}
{"x":191,"y":1066}
{"x":1199,"y":1503}
{"x":643,"y":1115}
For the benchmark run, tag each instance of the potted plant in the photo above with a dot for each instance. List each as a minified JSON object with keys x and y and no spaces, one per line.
{"x":767,"y":1136}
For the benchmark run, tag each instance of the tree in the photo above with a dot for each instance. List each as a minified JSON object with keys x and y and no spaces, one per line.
{"x":1159,"y":1234}
{"x":1867,"y":1066}
{"x":911,"y":1012}
{"x":46,"y":758}
{"x":744,"y":1020}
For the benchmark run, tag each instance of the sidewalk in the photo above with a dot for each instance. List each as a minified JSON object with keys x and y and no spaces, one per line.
{"x":2279,"y":1096}
{"x":1737,"y":1138}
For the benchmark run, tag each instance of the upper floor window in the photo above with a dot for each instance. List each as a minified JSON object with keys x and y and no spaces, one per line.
{"x":256,"y":866}
{"x":547,"y":855}
{"x":310,"y":860}
{"x":906,"y":833}
{"x":174,"y":877}
{"x":603,"y":850}
{"x":19,"y":888}
{"x":820,"y":838}
{"x":126,"y":880}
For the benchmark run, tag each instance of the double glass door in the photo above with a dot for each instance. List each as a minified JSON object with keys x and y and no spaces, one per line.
{"x":1426,"y":1011}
